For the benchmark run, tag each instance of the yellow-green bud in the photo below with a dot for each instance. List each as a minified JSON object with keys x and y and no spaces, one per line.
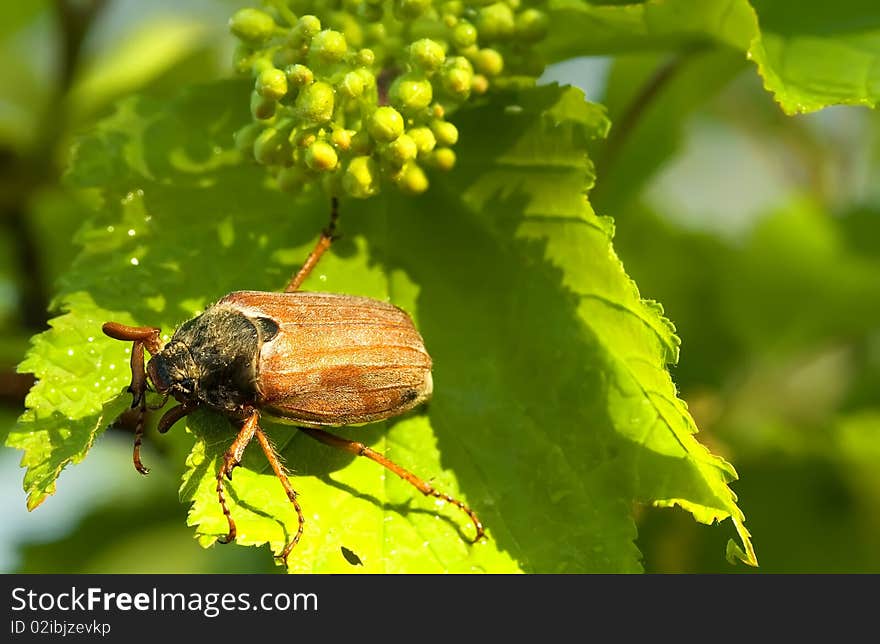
{"x":271,"y":84}
{"x":445,"y":132}
{"x":342,"y":139}
{"x":464,"y":34}
{"x":427,"y":54}
{"x":245,"y":137}
{"x":409,"y":9}
{"x":412,"y":180}
{"x":411,"y":93}
{"x":262,"y":108}
{"x":457,"y":82}
{"x":489,"y":62}
{"x":479,"y":84}
{"x":329,"y":46}
{"x":385,"y":124}
{"x":401,"y":150}
{"x":352,"y":85}
{"x":242,"y":58}
{"x":315,"y":103}
{"x":361,"y":177}
{"x":366,"y":57}
{"x":496,"y":22}
{"x":321,"y":156}
{"x":453,"y":7}
{"x":443,"y":159}
{"x":252,"y":25}
{"x":268,"y":147}
{"x":300,"y":75}
{"x":423,"y":138}
{"x":531,"y":25}
{"x":290,"y":179}
{"x":308,"y":26}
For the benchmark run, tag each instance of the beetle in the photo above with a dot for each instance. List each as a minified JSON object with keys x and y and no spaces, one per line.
{"x":314,"y":360}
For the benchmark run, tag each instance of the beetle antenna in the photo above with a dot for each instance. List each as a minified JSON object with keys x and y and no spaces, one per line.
{"x":278,"y":468}
{"x":327,"y":237}
{"x":359,"y":449}
{"x":141,"y":337}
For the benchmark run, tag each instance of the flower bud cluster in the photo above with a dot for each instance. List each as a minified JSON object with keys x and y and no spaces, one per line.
{"x":354,"y":95}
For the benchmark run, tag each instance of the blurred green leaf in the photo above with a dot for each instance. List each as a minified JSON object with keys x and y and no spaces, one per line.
{"x":144,"y":53}
{"x":581,"y":28}
{"x":508,"y":273}
{"x":648,"y":130}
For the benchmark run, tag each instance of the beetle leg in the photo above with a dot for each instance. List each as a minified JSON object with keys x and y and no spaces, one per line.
{"x":174,"y":414}
{"x":327,"y":237}
{"x":141,"y":337}
{"x":278,"y":468}
{"x":359,"y":449}
{"x":231,"y":458}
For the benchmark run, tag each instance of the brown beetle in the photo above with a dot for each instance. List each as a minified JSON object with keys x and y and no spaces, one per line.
{"x":312,"y":359}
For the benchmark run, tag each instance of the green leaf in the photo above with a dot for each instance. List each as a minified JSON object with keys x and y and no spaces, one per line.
{"x":810,"y":54}
{"x":553,"y":409}
{"x":818,"y":53}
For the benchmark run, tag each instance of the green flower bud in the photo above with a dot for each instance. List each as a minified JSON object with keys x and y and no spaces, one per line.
{"x":290,"y":179}
{"x":412,"y":180}
{"x":372,"y":13}
{"x":449,"y":20}
{"x":532,"y":25}
{"x":272,"y":84}
{"x":427,"y":54}
{"x":252,"y":25}
{"x":453,"y":7}
{"x":261,"y":63}
{"x":457,"y":82}
{"x":307,"y":27}
{"x":361,"y":143}
{"x":513,"y":4}
{"x":321,"y":156}
{"x":329,"y":46}
{"x":367,"y":77}
{"x":443,"y":159}
{"x":489,"y":62}
{"x":464,"y":34}
{"x":242,"y":58}
{"x":262,"y":108}
{"x":342,"y":139}
{"x":352,"y":85}
{"x":366,"y":57}
{"x":496,"y":22}
{"x":401,"y":150}
{"x":409,"y":9}
{"x":479,"y":84}
{"x":315,"y":102}
{"x":268,"y":147}
{"x":284,"y":57}
{"x":423,"y":138}
{"x":385,"y":124}
{"x":411,"y":93}
{"x":245,"y":137}
{"x":361,"y":177}
{"x":445,"y":132}
{"x":299,"y":76}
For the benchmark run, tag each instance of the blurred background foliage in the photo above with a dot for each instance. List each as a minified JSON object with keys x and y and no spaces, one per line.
{"x":759,"y":233}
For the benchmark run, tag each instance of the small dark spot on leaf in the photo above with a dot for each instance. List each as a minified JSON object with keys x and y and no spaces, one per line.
{"x":351,"y":557}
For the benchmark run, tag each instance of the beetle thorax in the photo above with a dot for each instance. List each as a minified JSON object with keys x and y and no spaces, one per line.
{"x":210,"y":360}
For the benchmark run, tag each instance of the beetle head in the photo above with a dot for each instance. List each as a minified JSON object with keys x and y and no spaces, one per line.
{"x":173,"y":371}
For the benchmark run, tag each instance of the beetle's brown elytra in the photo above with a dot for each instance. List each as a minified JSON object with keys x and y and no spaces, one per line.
{"x":315,"y":360}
